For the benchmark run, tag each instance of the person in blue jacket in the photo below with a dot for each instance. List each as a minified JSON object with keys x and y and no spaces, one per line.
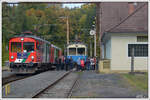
{"x":78,"y":64}
{"x":67,"y":63}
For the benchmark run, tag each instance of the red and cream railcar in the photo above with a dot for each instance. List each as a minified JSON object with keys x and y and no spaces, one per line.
{"x":28,"y":54}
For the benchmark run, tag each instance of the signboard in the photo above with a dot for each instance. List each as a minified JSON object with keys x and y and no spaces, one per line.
{"x":92,"y":32}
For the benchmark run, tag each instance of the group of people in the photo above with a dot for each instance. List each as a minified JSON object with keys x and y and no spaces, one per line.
{"x":88,"y":64}
{"x":66,"y":63}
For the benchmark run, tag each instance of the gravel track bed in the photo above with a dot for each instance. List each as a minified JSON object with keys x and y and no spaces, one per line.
{"x":61,"y":89}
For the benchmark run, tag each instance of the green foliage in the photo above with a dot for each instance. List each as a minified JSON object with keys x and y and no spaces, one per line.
{"x":45,"y":21}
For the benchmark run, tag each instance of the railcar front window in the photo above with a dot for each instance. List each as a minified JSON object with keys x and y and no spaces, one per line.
{"x":16,"y":47}
{"x":81,"y":51}
{"x":28,"y":46}
{"x":72,"y":51}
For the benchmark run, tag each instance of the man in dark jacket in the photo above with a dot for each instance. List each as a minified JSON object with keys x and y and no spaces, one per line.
{"x":71,"y":63}
{"x":66,"y":63}
{"x":88,"y":64}
{"x":60,"y":63}
{"x":57,"y":64}
{"x":63,"y":62}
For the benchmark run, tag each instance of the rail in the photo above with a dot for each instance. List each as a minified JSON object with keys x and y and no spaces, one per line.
{"x":51,"y":85}
{"x":71,"y":90}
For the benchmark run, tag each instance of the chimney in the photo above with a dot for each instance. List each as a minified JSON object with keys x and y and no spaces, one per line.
{"x":131,"y":7}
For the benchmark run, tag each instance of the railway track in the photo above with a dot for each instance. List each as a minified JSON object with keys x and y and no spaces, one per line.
{"x":66,"y":91}
{"x":71,"y":89}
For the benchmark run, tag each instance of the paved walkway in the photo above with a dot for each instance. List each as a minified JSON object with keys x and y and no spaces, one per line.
{"x":28,"y":87}
{"x":94,"y":85}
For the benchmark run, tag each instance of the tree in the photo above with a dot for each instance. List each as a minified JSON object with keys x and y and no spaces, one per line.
{"x":44,"y":20}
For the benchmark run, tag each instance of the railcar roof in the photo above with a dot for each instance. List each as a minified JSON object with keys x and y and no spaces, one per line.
{"x":37,"y":38}
{"x":34,"y":37}
{"x":81,"y":43}
{"x":55,"y":47}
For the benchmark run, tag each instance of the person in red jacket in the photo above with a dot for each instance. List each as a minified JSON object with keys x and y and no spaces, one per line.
{"x":82,"y":64}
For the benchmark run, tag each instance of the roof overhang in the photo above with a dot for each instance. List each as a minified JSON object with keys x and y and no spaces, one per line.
{"x":107,"y":35}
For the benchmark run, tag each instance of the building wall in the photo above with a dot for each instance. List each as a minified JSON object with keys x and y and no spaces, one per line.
{"x":120,"y":59}
{"x":102,"y":46}
{"x":108,"y":49}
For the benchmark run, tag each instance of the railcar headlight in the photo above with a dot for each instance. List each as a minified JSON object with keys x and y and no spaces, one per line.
{"x":22,"y":39}
{"x":32,"y":57}
{"x":12,"y":57}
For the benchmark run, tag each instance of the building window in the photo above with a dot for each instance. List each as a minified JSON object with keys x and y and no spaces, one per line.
{"x":81,"y":51}
{"x":72,"y":51}
{"x":140,"y":50}
{"x":142,"y":38}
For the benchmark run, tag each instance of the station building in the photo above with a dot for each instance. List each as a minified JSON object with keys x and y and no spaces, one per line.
{"x":124,"y":26}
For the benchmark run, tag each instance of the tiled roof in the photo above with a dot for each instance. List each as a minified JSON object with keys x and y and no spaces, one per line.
{"x":116,"y":17}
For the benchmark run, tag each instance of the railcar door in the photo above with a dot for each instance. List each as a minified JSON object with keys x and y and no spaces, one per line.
{"x":44,"y":52}
{"x":60,"y":53}
{"x":47,"y":53}
{"x":52,"y":55}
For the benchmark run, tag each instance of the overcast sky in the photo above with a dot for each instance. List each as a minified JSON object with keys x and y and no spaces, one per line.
{"x":73,"y":5}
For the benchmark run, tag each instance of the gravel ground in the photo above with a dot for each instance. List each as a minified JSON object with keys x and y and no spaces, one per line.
{"x":61,"y":89}
{"x":7,"y":74}
{"x":28,"y":87}
{"x":5,"y":68}
{"x":92,"y":85}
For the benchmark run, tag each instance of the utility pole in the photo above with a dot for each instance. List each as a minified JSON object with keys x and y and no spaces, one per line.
{"x":100,"y":30}
{"x":90,"y":47}
{"x":95,"y":45}
{"x":98,"y":24}
{"x":93,"y":33}
{"x":67,"y":23}
{"x":67,"y":30}
{"x":132,"y":60}
{"x":94,"y":37}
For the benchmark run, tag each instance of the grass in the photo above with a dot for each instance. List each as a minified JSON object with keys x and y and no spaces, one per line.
{"x":140,"y":81}
{"x":79,"y":72}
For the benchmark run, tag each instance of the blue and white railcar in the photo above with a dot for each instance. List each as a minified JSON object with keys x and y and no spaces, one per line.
{"x":76,"y":51}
